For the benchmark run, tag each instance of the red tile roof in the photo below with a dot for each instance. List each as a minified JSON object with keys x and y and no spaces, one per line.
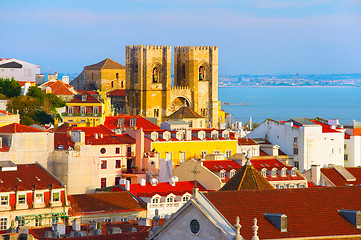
{"x":325,"y":127}
{"x":117,"y":92}
{"x":62,"y":140}
{"x":89,"y":99}
{"x":29,"y":175}
{"x":218,"y":165}
{"x":246,"y":141}
{"x":18,"y":128}
{"x":337,"y":178}
{"x":6,"y":112}
{"x":109,"y":139}
{"x":103,"y":202}
{"x":59,"y":88}
{"x":309,"y":211}
{"x":163,"y":189}
{"x":112,"y":122}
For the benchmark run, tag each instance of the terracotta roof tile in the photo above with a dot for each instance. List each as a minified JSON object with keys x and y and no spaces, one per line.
{"x":337,"y":178}
{"x":111,"y":122}
{"x":246,"y":141}
{"x":105,"y":64}
{"x":309,"y":211}
{"x":117,"y":92}
{"x":59,"y":88}
{"x":184,"y":112}
{"x":18,"y":128}
{"x":29,"y":175}
{"x":218,"y":165}
{"x":89,"y":99}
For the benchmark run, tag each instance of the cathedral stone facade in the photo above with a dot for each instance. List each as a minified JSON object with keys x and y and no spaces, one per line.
{"x":153,"y":93}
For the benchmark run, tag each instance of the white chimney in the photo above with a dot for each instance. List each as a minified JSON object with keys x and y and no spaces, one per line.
{"x":154,"y":181}
{"x":142,"y":182}
{"x":76,"y":224}
{"x":127,"y":185}
{"x":188,"y":134}
{"x":289,"y":124}
{"x":316,"y":174}
{"x":173,"y":180}
{"x":65,"y":79}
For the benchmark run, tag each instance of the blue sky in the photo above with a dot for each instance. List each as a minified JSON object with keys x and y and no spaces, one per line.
{"x":253,"y":36}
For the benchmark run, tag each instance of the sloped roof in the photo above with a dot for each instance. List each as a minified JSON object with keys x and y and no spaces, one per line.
{"x":184,"y":112}
{"x":246,"y":141}
{"x":117,"y":92}
{"x":18,"y":128}
{"x":2,"y":113}
{"x":337,"y":179}
{"x":59,"y":88}
{"x":89,"y":99}
{"x":309,"y":211}
{"x":162,"y":189}
{"x":218,"y":165}
{"x":248,"y":177}
{"x":111,"y":122}
{"x":105,"y":64}
{"x":105,"y":201}
{"x":30,"y":175}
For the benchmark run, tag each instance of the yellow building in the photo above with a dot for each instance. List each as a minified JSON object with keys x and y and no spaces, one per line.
{"x":86,"y":110}
{"x":106,"y":76}
{"x":7,"y":118}
{"x":180,"y":146}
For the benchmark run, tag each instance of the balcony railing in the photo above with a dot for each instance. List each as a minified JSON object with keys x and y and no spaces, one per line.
{"x":163,"y":206}
{"x":81,"y":115}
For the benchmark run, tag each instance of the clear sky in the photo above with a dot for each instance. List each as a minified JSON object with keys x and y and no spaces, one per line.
{"x":253,"y":36}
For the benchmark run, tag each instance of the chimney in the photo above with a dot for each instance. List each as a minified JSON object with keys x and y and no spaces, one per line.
{"x":188,"y":134}
{"x":154,"y":181}
{"x":96,"y":135}
{"x":173,"y":180}
{"x":76,"y":224}
{"x":316,"y":174}
{"x":142,"y":182}
{"x":127,"y":185}
{"x":65,"y":79}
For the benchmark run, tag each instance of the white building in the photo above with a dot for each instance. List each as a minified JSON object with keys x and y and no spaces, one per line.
{"x":19,"y":70}
{"x":309,"y":141}
{"x":352,"y":144}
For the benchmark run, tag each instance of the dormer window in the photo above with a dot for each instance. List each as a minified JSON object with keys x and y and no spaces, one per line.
{"x":180,"y":136}
{"x":293,"y":172}
{"x":232,"y":173}
{"x":215,"y":135}
{"x":166,"y":135}
{"x":186,"y":197}
{"x":133,"y":122}
{"x":39,"y":198}
{"x":56,"y":197}
{"x":201,"y":135}
{"x":155,"y":199}
{"x":170,"y":198}
{"x":120,"y":122}
{"x":274,"y":172}
{"x":279,"y":220}
{"x":222,"y":174}
{"x":283,"y":172}
{"x":264,"y":172}
{"x":4,"y":200}
{"x":353,"y":216}
{"x":83,"y":98}
{"x":154,"y":136}
{"x":225,"y":134}
{"x":22,"y":198}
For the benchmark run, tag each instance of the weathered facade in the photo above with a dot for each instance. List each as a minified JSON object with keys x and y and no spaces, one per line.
{"x":149,"y":83}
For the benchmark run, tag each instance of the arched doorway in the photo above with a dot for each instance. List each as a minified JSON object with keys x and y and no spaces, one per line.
{"x":178,"y":103}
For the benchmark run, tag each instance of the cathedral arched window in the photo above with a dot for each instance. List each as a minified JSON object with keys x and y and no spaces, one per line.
{"x":201,"y":73}
{"x":155,"y":75}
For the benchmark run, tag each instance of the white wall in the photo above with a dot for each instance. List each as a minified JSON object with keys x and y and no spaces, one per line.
{"x":26,"y":73}
{"x":353,"y":150}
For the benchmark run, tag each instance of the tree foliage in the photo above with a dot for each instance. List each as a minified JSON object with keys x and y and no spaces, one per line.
{"x":10,"y":87}
{"x":36,"y":93}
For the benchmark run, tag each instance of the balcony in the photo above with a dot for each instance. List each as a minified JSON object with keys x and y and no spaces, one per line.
{"x":81,"y":115}
{"x":130,"y":154}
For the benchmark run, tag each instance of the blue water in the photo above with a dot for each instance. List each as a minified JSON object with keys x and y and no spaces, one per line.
{"x":283,"y":103}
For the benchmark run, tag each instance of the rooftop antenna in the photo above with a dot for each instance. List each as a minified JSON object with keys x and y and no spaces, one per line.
{"x":194,"y":171}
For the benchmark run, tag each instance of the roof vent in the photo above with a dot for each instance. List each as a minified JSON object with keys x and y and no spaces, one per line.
{"x":1,"y":181}
{"x":114,"y":231}
{"x":279,"y":220}
{"x":353,"y":216}
{"x":37,"y":178}
{"x":154,"y":181}
{"x":344,"y":173}
{"x":19,"y":179}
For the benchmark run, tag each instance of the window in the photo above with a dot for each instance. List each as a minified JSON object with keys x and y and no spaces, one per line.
{"x":292,"y":186}
{"x":170,"y":199}
{"x":55,"y":219}
{"x":228,"y":153}
{"x":168,"y":156}
{"x":38,"y":222}
{"x":185,"y":198}
{"x":108,"y":220}
{"x":39,"y":198}
{"x":92,"y":76}
{"x":222,"y":174}
{"x":215,"y":135}
{"x":345,"y":157}
{"x":295,"y":150}
{"x":120,"y":122}
{"x":155,"y":200}
{"x":95,"y":110}
{"x":190,"y":124}
{"x":117,"y":180}
{"x":201,"y":73}
{"x":182,"y":156}
{"x":264,"y":172}
{"x":70,"y":110}
{"x":4,"y":200}
{"x":295,"y":140}
{"x":103,"y":164}
{"x":133,"y":122}
{"x":274,"y":172}
{"x":302,"y":186}
{"x":283,"y":223}
{"x":156,"y":112}
{"x":201,"y":135}
{"x":116,"y":75}
{"x":103,"y":182}
{"x":56,"y":197}
{"x":155,"y":75}
{"x":282,"y":186}
{"x":203,"y":154}
{"x":293,"y":172}
{"x":345,"y":146}
{"x":118,"y":163}
{"x":103,"y":150}
{"x":83,"y":98}
{"x":217,"y":151}
{"x":21,"y":221}
{"x":333,"y":151}
{"x":194,"y":226}
{"x":283,"y":172}
{"x":297,"y":164}
{"x":82,"y":110}
{"x":3,"y":223}
{"x":21,"y":198}
{"x":232,"y":173}
{"x":117,"y":150}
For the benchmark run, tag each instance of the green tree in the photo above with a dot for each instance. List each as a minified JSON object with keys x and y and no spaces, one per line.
{"x":24,"y":104}
{"x":36,"y":93}
{"x":10,"y":87}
